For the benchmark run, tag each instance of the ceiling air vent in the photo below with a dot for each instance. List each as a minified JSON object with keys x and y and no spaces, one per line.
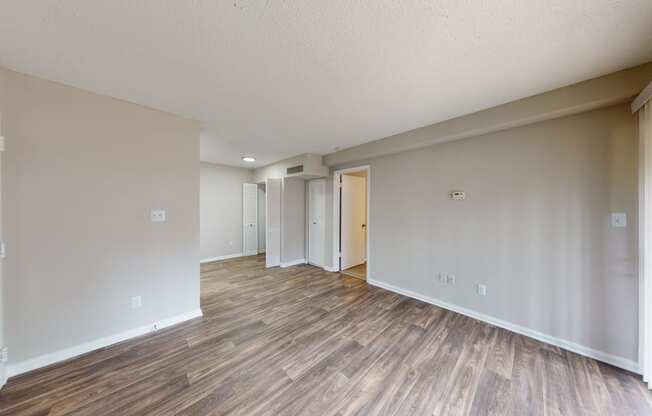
{"x":295,"y":169}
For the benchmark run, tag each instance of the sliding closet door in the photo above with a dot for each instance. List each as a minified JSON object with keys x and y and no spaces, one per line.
{"x":273,"y":218}
{"x":250,"y":219}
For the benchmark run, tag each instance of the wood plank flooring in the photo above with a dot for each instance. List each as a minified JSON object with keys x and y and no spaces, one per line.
{"x":300,"y":341}
{"x":359,"y":271}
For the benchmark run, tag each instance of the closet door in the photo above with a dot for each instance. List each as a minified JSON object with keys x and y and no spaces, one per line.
{"x":2,"y":255}
{"x":273,"y":219}
{"x":250,"y":219}
{"x":316,"y":221}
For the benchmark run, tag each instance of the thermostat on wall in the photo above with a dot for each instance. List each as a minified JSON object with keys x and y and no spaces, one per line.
{"x":457,"y":195}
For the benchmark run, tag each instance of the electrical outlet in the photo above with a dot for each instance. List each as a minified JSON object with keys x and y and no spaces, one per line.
{"x":482,"y":290}
{"x":441,"y":277}
{"x":450,"y":279}
{"x":4,"y":354}
{"x":157,"y":215}
{"x":136,"y":302}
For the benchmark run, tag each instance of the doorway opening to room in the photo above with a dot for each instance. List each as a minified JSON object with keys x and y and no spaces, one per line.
{"x":351,"y":221}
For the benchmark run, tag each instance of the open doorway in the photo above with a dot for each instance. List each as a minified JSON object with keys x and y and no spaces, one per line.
{"x":351,"y":226}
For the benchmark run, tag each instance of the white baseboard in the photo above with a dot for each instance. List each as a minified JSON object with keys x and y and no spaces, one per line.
{"x":67,"y":353}
{"x":293,"y":263}
{"x":261,"y":251}
{"x":228,"y":256}
{"x":330,"y":269}
{"x":614,"y":360}
{"x":3,"y":375}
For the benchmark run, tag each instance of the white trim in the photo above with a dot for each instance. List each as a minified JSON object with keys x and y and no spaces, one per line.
{"x":642,"y":98}
{"x":228,"y":256}
{"x":293,"y":263}
{"x":2,"y":143}
{"x":614,"y":360}
{"x":329,"y":269}
{"x":645,"y":238}
{"x":261,"y":251}
{"x":77,"y":350}
{"x":336,"y":216}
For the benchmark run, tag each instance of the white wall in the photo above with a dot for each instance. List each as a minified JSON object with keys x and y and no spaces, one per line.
{"x":221,"y":209}
{"x":534,"y":228}
{"x":293,"y":220}
{"x":81,"y":174}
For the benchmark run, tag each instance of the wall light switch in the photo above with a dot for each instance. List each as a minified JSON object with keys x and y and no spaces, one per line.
{"x":618,"y":219}
{"x":482,"y":290}
{"x":136,"y":302}
{"x":157,"y":215}
{"x":450,"y":279}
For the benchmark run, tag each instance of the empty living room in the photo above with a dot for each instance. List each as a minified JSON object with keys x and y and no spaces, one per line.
{"x":325,"y":208}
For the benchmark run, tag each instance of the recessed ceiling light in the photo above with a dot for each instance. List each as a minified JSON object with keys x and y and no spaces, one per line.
{"x":248,"y":159}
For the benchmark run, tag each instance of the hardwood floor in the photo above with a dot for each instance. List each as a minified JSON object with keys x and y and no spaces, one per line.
{"x":302,"y":341}
{"x":359,"y":271}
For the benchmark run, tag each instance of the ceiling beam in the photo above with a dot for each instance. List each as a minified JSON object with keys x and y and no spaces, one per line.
{"x":616,"y":88}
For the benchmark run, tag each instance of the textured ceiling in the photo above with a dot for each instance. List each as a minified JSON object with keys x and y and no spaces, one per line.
{"x":275,"y":78}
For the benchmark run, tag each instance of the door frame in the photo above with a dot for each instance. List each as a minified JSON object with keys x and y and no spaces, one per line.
{"x":324,"y":245}
{"x":337,"y":216}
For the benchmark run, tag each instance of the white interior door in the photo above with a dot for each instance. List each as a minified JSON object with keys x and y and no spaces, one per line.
{"x":273,"y":222}
{"x":316,"y":221}
{"x":250,"y":219}
{"x":2,"y":341}
{"x":262,"y":210}
{"x":353,"y":213}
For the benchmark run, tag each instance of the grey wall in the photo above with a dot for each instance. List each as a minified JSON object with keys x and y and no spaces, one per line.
{"x":221,"y":209}
{"x":293,"y":222}
{"x":535,"y":227}
{"x":81,"y":174}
